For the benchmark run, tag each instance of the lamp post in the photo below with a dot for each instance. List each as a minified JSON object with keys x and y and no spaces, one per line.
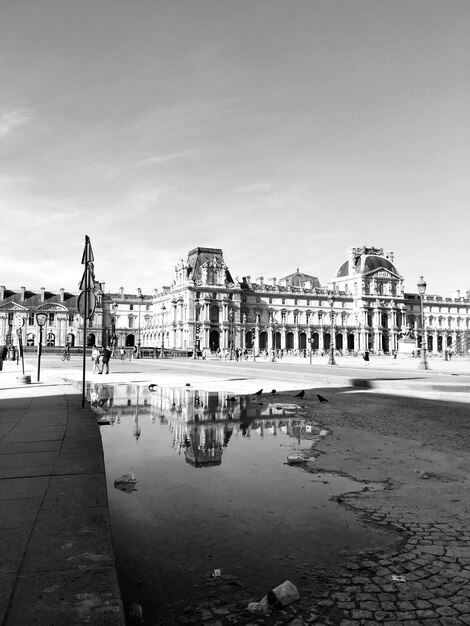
{"x":41,"y":319}
{"x":141,"y":297}
{"x":230,"y":317}
{"x":423,"y":364}
{"x":163,"y":309}
{"x":113,"y":327}
{"x":331,"y":358}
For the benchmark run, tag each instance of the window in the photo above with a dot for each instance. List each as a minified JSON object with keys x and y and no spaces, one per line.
{"x":71,"y":317}
{"x":51,"y":318}
{"x":270,"y":301}
{"x":31,"y":320}
{"x":131,"y":321}
{"x":283,"y":301}
{"x":131,"y":307}
{"x":296,"y":301}
{"x":147,"y":307}
{"x":243,"y":298}
{"x":10,"y":318}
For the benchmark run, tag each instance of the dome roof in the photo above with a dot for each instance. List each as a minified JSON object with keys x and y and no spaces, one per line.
{"x":365,"y":260}
{"x":298,"y":279}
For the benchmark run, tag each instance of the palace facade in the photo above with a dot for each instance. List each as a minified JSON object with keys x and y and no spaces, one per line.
{"x":364,"y":307}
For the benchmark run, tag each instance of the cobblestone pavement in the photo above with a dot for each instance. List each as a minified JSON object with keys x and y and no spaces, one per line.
{"x":420,"y":448}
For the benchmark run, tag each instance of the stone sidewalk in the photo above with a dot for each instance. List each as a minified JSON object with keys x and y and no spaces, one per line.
{"x":57,"y":564}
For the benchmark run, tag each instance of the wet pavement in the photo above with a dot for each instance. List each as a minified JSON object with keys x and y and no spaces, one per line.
{"x":215,"y":491}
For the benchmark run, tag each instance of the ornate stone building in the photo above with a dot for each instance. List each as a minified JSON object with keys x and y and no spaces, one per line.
{"x":363,"y":307}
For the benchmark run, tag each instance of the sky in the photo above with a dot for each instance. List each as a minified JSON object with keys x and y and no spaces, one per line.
{"x":282,"y":131}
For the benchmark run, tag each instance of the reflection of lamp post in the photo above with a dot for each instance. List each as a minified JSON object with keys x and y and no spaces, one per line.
{"x":163,"y":309}
{"x":331,"y":358}
{"x":274,"y":339}
{"x":230,"y":317}
{"x":423,"y":364}
{"x":141,"y":297}
{"x":311,"y":345}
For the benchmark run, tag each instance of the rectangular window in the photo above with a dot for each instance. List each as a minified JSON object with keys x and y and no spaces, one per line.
{"x":71,"y":316}
{"x":51,"y":318}
{"x":131,"y":307}
{"x":31,"y":319}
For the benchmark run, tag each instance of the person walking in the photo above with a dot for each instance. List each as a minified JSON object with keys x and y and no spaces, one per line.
{"x":105,"y":356}
{"x":95,"y":357}
{"x":366,"y":357}
{"x":122,"y":353}
{"x":3,"y":356}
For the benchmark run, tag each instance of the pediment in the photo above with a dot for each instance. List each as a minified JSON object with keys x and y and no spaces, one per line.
{"x":382,"y":273}
{"x":53,"y":307}
{"x":13,"y":306}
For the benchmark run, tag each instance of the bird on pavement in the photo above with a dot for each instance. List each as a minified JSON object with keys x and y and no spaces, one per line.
{"x":321,"y":398}
{"x":258,"y":393}
{"x":300,"y":394}
{"x":273,"y":391}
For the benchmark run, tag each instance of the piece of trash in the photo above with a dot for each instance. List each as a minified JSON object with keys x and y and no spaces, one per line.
{"x":136,"y":613}
{"x":216,"y":573}
{"x":104,"y":421}
{"x":424,"y":474}
{"x":295,"y":459}
{"x":277,"y":598}
{"x":398,"y":579}
{"x":323,"y":433}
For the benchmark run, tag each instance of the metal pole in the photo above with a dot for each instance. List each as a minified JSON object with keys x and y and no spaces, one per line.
{"x":423,"y":363}
{"x":39,"y":351}
{"x":84,"y":325}
{"x":331,"y":360}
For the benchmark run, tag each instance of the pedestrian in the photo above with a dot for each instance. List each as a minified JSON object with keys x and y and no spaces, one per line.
{"x":105,"y":356}
{"x":95,"y":357}
{"x":122,"y":352}
{"x":366,"y":357}
{"x":3,"y":356}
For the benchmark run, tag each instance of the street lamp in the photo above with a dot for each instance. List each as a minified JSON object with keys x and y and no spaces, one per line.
{"x":331,"y":358}
{"x":163,"y":309}
{"x":141,"y":297}
{"x":423,"y":364}
{"x":230,"y":317}
{"x":113,"y":327}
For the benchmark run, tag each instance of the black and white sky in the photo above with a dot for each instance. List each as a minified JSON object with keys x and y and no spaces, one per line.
{"x":282,"y":131}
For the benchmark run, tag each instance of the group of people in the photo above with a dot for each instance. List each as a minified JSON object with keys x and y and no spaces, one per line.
{"x":100,"y":358}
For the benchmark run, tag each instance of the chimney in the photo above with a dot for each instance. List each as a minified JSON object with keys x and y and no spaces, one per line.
{"x":23,"y":289}
{"x":62,"y":291}
{"x":2,"y":292}
{"x":43,"y":293}
{"x":389,"y":256}
{"x":260,"y":280}
{"x":248,"y":279}
{"x":121,"y":291}
{"x":273,"y":281}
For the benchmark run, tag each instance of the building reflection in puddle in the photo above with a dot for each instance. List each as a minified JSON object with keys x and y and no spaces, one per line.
{"x":201,"y":422}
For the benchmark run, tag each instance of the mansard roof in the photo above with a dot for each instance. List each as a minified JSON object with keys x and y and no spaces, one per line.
{"x":199,"y":256}
{"x":364,"y":260}
{"x":33,"y":300}
{"x":298,"y":279}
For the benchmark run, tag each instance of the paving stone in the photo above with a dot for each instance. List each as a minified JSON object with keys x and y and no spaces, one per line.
{"x":446,"y":611}
{"x":360,"y":614}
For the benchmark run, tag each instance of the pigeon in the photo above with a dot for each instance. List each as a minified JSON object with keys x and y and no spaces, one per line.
{"x":300,"y":394}
{"x":152,"y":387}
{"x":258,"y":393}
{"x":188,"y":384}
{"x":273,"y":391}
{"x":321,"y":398}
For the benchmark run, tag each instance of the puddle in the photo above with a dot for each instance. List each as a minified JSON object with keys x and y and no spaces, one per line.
{"x":214,"y":491}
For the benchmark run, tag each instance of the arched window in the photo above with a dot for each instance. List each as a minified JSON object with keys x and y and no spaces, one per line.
{"x":30,"y":339}
{"x":71,"y":339}
{"x":50,"y":339}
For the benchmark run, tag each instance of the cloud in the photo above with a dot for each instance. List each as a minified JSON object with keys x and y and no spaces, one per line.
{"x":11,"y":120}
{"x":168,"y":157}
